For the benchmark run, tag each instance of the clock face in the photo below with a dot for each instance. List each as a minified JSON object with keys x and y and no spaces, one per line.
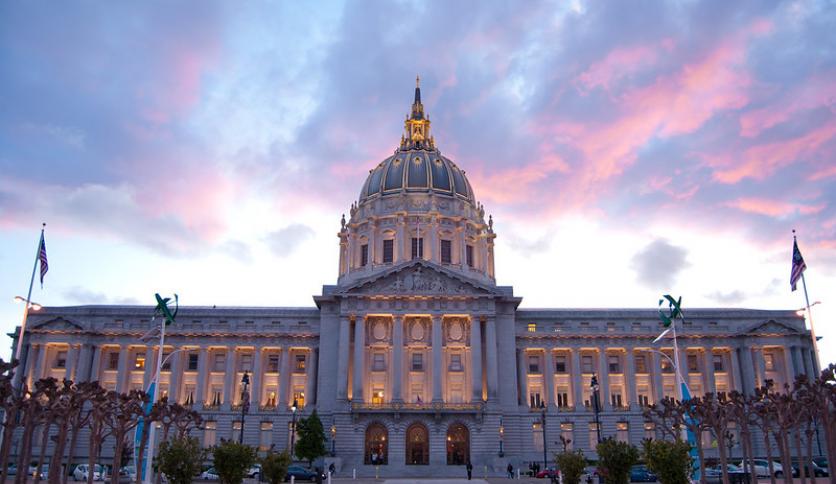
{"x":417,"y":331}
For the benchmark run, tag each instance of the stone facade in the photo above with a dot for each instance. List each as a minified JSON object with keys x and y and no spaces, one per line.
{"x":416,"y":359}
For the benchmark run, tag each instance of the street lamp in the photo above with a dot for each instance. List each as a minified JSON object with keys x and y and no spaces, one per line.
{"x":245,"y":403}
{"x":595,"y":405}
{"x":542,"y":408}
{"x":293,"y":426}
{"x":800,"y":312}
{"x":333,"y":437}
{"x":32,"y":304}
{"x":501,"y":436}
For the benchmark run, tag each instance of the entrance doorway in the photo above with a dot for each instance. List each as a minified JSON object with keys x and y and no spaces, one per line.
{"x":417,"y":445}
{"x":458,"y":445}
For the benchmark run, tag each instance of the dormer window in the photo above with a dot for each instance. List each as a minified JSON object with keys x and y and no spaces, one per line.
{"x":417,"y":247}
{"x":388,"y":251}
{"x":446,"y":252}
{"x":469,"y":254}
{"x":364,"y":255}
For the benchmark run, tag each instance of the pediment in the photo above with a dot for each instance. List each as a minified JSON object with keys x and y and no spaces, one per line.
{"x":59,"y":323}
{"x":418,"y":277}
{"x":770,"y":327}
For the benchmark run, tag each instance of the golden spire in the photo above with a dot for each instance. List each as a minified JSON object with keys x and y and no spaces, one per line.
{"x":417,"y":82}
{"x":417,"y":126}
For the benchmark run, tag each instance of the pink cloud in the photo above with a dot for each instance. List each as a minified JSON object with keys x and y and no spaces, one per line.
{"x":620,"y":63}
{"x":818,"y":92}
{"x":774,"y":208}
{"x":823,"y":173}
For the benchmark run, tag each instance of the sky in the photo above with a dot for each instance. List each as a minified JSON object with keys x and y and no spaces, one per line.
{"x":626,"y":150}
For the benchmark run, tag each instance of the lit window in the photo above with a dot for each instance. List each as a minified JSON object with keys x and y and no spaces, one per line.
{"x":534,"y":398}
{"x":377,"y":396}
{"x":446,"y":252}
{"x":299,"y":395}
{"x":622,"y":432}
{"x":693,"y":365}
{"x":718,"y":363}
{"x":273,"y":364}
{"x":300,"y":364}
{"x":532,"y":327}
{"x":649,"y":430}
{"x":236,"y":430}
{"x":769,"y":361}
{"x":139,"y":361}
{"x":643,"y":392}
{"x":615,"y":398}
{"x":563,"y":397}
{"x":641,"y":364}
{"x":388,"y":251}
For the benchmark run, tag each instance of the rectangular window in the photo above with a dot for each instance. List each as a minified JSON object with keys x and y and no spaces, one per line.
{"x":446,"y":252}
{"x":562,"y":398}
{"x":364,"y":255}
{"x":299,"y":395}
{"x":273,"y":364}
{"x":113,"y":360}
{"x":615,"y":399}
{"x":265,"y":440}
{"x":533,"y":364}
{"x":209,"y":431}
{"x":271,"y":398}
{"x":560,"y":364}
{"x":61,"y":359}
{"x":534,"y":398}
{"x":718,"y":363}
{"x":217,"y":397}
{"x":586,"y":364}
{"x":188,"y":395}
{"x":417,"y":248}
{"x":614,"y":364}
{"x":769,"y":361}
{"x":193,"y":358}
{"x":378,"y":362}
{"x":666,"y":366}
{"x":641,"y":364}
{"x":377,"y":395}
{"x":388,"y":251}
{"x":220,"y":362}
{"x":139,"y":361}
{"x":246,"y":362}
{"x":532,"y":327}
{"x":567,"y":435}
{"x":642,"y":391}
{"x":649,"y":430}
{"x":693,"y":365}
{"x":167,"y":360}
{"x":622,"y":432}
{"x":468,"y":252}
{"x":300,"y":364}
{"x":593,"y":435}
{"x":456,"y":362}
{"x":417,"y":362}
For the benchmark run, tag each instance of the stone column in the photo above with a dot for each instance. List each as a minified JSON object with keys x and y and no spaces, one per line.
{"x":789,"y":368}
{"x":397,"y":358}
{"x":747,"y":370}
{"x":72,"y":362}
{"x":83,"y":370}
{"x":736,"y":380}
{"x":342,"y":359}
{"x":313,"y":375}
{"x":522,"y":376}
{"x":708,"y":370}
{"x":310,"y":379}
{"x":122,"y":368}
{"x":462,"y":244}
{"x":175,"y":378}
{"x":476,"y":359}
{"x":43,"y":362}
{"x":255,"y":379}
{"x":603,"y":379}
{"x":229,"y":378}
{"x":806,"y":361}
{"x":437,"y":362}
{"x":794,"y":355}
{"x":284,"y":379}
{"x":630,"y":377}
{"x":658,"y":386}
{"x":683,"y":354}
{"x":577,"y":378}
{"x":548,"y":375}
{"x":200,"y":390}
{"x":32,"y":359}
{"x":760,"y":365}
{"x":96,"y":366}
{"x":491,"y":350}
{"x":359,"y":359}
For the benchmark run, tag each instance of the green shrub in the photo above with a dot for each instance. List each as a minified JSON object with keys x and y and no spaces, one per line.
{"x":670,"y":461}
{"x":274,"y":466}
{"x":615,"y":459}
{"x":232,"y":460}
{"x":571,"y":465}
{"x":180,"y":459}
{"x":311,"y":443}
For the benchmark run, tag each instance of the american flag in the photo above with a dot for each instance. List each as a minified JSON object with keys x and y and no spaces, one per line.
{"x":42,"y":258}
{"x":798,"y":265}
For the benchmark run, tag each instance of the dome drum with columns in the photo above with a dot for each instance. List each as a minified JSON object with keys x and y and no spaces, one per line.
{"x":416,"y":204}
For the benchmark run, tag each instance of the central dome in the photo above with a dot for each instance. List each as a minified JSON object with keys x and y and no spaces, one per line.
{"x":417,"y":165}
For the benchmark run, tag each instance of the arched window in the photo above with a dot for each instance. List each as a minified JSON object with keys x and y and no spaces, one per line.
{"x":458,"y":445}
{"x":417,"y":445}
{"x":377,"y":445}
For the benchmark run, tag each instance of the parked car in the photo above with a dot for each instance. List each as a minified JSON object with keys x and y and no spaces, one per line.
{"x":547,"y":474}
{"x":822,"y":462}
{"x":44,"y":472}
{"x":81,"y":472}
{"x":127,"y":473}
{"x":11,"y":470}
{"x":762,"y":468}
{"x":299,"y":472}
{"x":209,"y":474}
{"x":641,"y":473}
{"x":813,"y":469}
{"x":715,"y":473}
{"x":254,"y":472}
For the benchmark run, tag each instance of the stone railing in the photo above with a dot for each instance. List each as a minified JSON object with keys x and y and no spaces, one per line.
{"x":417,"y":407}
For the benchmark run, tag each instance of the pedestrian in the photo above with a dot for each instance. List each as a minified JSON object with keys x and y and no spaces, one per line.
{"x":469,"y":468}
{"x":510,"y":471}
{"x":332,"y":469}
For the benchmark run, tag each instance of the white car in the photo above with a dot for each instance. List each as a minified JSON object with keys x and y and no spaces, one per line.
{"x":81,"y":472}
{"x":762,"y":468}
{"x":254,"y":472}
{"x":209,"y":474}
{"x":128,"y":472}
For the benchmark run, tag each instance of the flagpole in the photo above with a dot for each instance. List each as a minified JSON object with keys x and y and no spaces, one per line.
{"x":812,"y":327}
{"x":19,"y":373}
{"x":149,"y":459}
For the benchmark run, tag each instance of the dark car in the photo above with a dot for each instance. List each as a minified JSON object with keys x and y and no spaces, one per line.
{"x":641,"y":474}
{"x":814,"y":468}
{"x":822,"y":462}
{"x":300,"y":472}
{"x":547,"y":474}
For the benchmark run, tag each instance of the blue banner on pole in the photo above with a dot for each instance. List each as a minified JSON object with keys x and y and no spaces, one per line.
{"x":140,"y":467}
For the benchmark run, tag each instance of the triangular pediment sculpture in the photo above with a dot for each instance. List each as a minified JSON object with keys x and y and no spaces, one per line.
{"x":418,"y":277}
{"x":58,"y":324}
{"x":770,"y":327}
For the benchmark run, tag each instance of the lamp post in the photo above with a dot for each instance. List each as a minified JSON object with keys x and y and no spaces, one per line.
{"x":595,"y":406}
{"x":333,"y":437}
{"x":245,"y":403}
{"x":542,"y":407}
{"x":501,"y":436}
{"x":293,"y":427}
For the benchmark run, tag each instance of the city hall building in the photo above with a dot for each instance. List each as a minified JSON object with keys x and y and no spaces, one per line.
{"x":416,"y":360}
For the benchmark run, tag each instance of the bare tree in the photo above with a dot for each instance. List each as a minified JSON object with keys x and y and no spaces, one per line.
{"x":10,"y":403}
{"x":126,"y":409}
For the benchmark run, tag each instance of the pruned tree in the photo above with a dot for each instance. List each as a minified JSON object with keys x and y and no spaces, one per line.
{"x":10,"y":404}
{"x":126,"y":409}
